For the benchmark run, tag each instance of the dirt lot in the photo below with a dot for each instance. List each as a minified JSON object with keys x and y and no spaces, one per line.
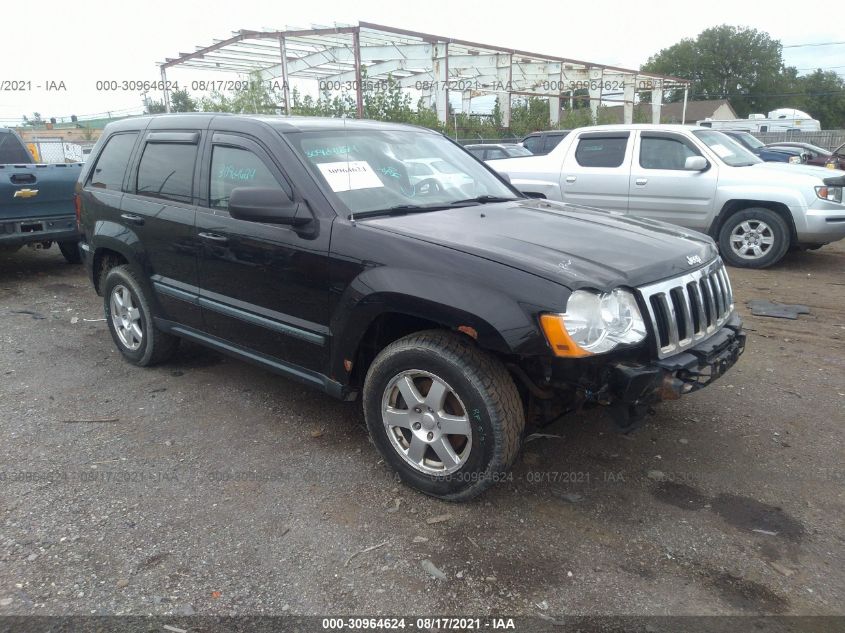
{"x":219,"y":488}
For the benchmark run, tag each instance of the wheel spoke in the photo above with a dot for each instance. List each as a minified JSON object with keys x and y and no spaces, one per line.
{"x":409,"y":392}
{"x":117,"y":298}
{"x":416,"y":450}
{"x":397,"y":417}
{"x":737,"y":239}
{"x":746,"y":227}
{"x":136,"y":332}
{"x":767,"y":240}
{"x":757,"y":250}
{"x":445,"y":452}
{"x":134,"y":314}
{"x":436,"y":395}
{"x":454,"y":424}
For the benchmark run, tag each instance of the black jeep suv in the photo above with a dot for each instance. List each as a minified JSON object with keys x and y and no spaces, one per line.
{"x":459,"y":310}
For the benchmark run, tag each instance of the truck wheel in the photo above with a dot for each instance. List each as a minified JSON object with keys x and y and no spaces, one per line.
{"x":130,"y":320}
{"x":754,"y":238}
{"x":443,"y":413}
{"x":70,"y":250}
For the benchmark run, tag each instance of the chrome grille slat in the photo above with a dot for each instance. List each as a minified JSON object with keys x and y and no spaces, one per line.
{"x":675,"y":305}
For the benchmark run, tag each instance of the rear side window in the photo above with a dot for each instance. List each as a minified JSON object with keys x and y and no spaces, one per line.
{"x":167,"y":171}
{"x":552,"y":141}
{"x":234,"y":167}
{"x":533,"y":144}
{"x":601,"y":151}
{"x":111,"y":165}
{"x":496,"y":154}
{"x":664,"y":153}
{"x":12,"y":151}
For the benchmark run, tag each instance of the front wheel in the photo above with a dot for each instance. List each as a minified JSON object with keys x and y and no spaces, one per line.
{"x":754,"y":238}
{"x":444,"y":414}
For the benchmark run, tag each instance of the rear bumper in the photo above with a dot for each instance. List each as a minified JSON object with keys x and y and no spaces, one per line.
{"x":25,"y":231}
{"x":668,"y":379}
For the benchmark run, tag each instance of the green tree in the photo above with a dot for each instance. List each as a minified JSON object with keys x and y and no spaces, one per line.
{"x":824,"y":97}
{"x":181,"y":101}
{"x":727,"y":62}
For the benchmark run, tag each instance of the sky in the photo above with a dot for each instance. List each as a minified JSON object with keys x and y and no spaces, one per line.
{"x":74,"y":45}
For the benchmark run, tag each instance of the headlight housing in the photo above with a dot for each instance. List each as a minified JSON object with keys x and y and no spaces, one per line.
{"x":794,"y":159}
{"x":594,"y":323}
{"x":834,"y":194}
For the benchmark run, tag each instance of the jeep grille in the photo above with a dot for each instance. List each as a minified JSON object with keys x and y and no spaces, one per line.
{"x":688,"y":309}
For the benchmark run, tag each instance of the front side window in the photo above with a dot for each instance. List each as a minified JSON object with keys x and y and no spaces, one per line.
{"x":601,"y":151}
{"x":374,"y":170}
{"x":664,"y":153}
{"x":111,"y":165}
{"x":167,"y":171}
{"x":233,"y":167}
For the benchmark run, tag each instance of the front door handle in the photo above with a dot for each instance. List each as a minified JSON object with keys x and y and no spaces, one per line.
{"x":641,"y":181}
{"x":571,"y":178}
{"x":213,"y":237}
{"x":132,"y":218}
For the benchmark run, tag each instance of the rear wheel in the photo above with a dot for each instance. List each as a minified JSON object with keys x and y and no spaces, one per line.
{"x":71,"y":252}
{"x":130,"y":320}
{"x":754,"y":238}
{"x":444,"y":414}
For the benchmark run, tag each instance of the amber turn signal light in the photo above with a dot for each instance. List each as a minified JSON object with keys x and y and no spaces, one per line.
{"x":559,"y":339}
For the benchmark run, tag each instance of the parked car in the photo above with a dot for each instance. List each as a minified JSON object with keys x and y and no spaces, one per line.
{"x":497,"y":151}
{"x":36,"y":201}
{"x":300,"y":245}
{"x":816,"y":155}
{"x":754,"y":145}
{"x":696,"y":178}
{"x":541,"y":143}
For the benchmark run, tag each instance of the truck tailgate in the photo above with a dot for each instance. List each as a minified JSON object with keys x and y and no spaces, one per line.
{"x":37,"y":191}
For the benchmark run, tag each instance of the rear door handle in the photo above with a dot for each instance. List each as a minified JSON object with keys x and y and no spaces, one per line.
{"x":571,"y":178}
{"x":132,"y":218}
{"x":641,"y":181}
{"x":213,"y":237}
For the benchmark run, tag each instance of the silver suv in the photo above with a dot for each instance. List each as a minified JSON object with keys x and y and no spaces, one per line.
{"x":694,"y":177}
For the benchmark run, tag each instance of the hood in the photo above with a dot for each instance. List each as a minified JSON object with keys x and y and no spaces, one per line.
{"x":568,"y":244}
{"x":791,"y":173}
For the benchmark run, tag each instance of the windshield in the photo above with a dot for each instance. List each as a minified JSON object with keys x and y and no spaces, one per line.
{"x":371,"y":170}
{"x":751,"y":141}
{"x":727,"y":149}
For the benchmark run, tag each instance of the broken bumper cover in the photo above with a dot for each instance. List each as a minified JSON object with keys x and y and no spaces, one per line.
{"x":635,"y":384}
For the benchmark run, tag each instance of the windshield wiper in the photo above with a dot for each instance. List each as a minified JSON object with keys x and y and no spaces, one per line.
{"x":482,"y":200}
{"x":399,"y":209}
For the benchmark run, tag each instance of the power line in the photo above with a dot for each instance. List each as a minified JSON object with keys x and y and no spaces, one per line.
{"x":814,"y":44}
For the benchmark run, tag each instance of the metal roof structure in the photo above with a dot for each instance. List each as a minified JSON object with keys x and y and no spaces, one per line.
{"x":354,"y":57}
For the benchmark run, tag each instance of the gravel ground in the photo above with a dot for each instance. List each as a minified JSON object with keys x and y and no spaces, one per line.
{"x":217,"y":488}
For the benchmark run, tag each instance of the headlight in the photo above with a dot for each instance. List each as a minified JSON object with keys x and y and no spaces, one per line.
{"x":834,"y":194}
{"x":794,"y":159}
{"x":594,"y":323}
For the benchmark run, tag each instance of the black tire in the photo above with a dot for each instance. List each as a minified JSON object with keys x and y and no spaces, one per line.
{"x":483,"y":388}
{"x":776,"y":227}
{"x":71,"y":252}
{"x":155,"y":346}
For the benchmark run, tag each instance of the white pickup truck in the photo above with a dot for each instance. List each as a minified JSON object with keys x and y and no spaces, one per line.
{"x":694,"y":177}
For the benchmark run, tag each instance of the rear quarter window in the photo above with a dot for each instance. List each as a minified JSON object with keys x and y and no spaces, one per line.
{"x":110,"y":168}
{"x":12,"y":151}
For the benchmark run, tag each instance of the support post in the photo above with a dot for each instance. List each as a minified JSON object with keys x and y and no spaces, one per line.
{"x":440,"y":70}
{"x":684,"y":111}
{"x":595,"y":92}
{"x":283,"y":51}
{"x":628,"y":96}
{"x":359,"y":89}
{"x":504,"y":79}
{"x":656,"y":103}
{"x":166,"y":89}
{"x":466,"y":102}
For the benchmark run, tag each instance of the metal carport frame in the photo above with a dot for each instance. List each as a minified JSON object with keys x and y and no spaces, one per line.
{"x":337,"y":57}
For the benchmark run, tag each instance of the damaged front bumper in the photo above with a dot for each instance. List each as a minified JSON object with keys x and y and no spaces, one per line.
{"x":635,"y":386}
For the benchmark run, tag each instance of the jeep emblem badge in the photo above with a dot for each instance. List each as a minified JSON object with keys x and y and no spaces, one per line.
{"x":693,"y":259}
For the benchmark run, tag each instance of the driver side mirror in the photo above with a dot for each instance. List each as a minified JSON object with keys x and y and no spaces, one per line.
{"x":696,"y":163}
{"x":267,"y":204}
